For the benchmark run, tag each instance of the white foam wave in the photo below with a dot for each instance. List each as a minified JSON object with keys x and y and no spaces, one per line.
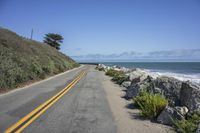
{"x":183,"y":77}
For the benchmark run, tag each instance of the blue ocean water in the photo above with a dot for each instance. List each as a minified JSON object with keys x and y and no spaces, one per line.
{"x":180,"y":70}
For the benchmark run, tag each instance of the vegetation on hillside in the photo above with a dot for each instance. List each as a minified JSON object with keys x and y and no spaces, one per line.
{"x":23,"y":60}
{"x":54,"y":40}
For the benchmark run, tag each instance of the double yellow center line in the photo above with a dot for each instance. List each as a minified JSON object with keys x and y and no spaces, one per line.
{"x":28,"y":119}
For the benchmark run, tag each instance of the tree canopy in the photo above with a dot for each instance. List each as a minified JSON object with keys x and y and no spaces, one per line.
{"x":53,"y":40}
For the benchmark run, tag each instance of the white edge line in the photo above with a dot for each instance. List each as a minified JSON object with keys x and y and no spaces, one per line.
{"x":38,"y":82}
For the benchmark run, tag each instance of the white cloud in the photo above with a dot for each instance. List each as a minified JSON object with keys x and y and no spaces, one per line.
{"x":181,"y":54}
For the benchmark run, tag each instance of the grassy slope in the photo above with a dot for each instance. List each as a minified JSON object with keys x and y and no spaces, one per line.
{"x":23,"y":60}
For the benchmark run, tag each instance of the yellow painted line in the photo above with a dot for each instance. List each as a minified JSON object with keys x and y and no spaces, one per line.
{"x":37,"y":109}
{"x":36,"y":116}
{"x":41,"y":109}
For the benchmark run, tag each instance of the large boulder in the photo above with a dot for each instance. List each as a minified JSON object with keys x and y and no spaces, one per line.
{"x":103,"y":67}
{"x":107,"y":68}
{"x":137,"y":73}
{"x":168,"y":115}
{"x":134,"y":76}
{"x":157,"y":90}
{"x":198,"y":129}
{"x":190,"y":96}
{"x":170,"y":88}
{"x":137,"y":76}
{"x":126,"y":84}
{"x":134,"y":89}
{"x":116,"y":68}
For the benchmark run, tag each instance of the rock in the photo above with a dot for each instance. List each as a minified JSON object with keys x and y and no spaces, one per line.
{"x":182,"y":110}
{"x":198,"y":129}
{"x":132,"y":76}
{"x":115,"y":66}
{"x":126,"y":84}
{"x":103,"y":67}
{"x":116,"y":69}
{"x":134,"y":89}
{"x":170,"y":88}
{"x":126,"y":70}
{"x":107,"y":68}
{"x":190,"y":97}
{"x":134,"y":79}
{"x":168,"y":115}
{"x":143,"y":77}
{"x":137,"y":76}
{"x":157,"y":90}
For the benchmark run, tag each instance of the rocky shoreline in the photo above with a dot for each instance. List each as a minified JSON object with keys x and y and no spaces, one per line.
{"x":183,"y":96}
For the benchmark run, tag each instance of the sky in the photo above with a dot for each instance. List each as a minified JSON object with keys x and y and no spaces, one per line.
{"x":111,"y":29}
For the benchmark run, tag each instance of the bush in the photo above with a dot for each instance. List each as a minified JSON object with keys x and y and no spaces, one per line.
{"x":150,"y":105}
{"x":101,"y":69}
{"x":113,"y":73}
{"x":118,"y":76}
{"x":189,"y":125}
{"x":119,"y":79}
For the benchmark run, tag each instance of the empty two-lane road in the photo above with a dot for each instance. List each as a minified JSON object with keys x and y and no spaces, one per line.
{"x":73,"y":102}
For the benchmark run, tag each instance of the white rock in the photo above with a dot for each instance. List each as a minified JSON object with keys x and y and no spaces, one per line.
{"x":182,"y":110}
{"x":126,"y":84}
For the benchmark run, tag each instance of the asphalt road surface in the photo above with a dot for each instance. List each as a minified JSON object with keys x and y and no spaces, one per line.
{"x":82,"y":109}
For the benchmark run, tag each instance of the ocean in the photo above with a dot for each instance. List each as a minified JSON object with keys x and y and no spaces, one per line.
{"x":181,"y":70}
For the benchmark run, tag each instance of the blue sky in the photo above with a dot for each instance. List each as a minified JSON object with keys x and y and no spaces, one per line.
{"x":110,"y":28}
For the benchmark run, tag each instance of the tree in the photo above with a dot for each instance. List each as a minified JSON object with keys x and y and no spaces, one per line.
{"x":53,"y":40}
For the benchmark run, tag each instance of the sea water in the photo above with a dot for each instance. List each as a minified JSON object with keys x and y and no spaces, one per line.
{"x":181,"y":70}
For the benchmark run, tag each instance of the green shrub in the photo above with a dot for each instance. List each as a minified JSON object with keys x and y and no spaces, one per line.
{"x":117,"y":76}
{"x":189,"y":125}
{"x":119,"y":79}
{"x":101,"y":69}
{"x":113,"y":73}
{"x":150,"y":105}
{"x":36,"y":68}
{"x":42,"y":76}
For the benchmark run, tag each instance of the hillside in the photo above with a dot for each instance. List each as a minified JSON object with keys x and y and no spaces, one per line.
{"x":23,"y":60}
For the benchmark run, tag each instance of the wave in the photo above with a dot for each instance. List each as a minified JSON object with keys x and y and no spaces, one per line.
{"x":183,"y":77}
{"x":182,"y":71}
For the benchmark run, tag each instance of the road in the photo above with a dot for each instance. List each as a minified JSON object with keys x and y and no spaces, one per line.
{"x":82,"y":109}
